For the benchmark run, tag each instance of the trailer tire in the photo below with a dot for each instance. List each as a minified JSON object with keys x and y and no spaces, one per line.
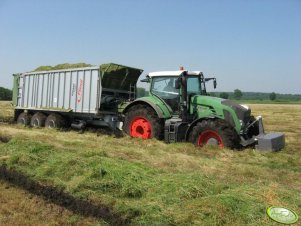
{"x":141,"y":121}
{"x":24,"y":119}
{"x":54,"y":121}
{"x":38,"y":120}
{"x":216,"y":132}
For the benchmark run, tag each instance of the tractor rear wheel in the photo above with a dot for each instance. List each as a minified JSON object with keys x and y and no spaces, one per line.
{"x":142,"y":122}
{"x":24,"y":119}
{"x":54,"y":121}
{"x":38,"y":120}
{"x":215,"y":132}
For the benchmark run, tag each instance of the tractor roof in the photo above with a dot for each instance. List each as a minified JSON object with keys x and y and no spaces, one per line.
{"x":171,"y":73}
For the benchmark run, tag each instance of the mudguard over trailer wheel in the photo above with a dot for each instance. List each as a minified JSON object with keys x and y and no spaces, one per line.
{"x":215,"y":132}
{"x":24,"y":119}
{"x":38,"y":120}
{"x":142,"y":122}
{"x":55,"y":121}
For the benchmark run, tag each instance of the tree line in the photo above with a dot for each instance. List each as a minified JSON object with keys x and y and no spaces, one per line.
{"x":5,"y":94}
{"x":239,"y":95}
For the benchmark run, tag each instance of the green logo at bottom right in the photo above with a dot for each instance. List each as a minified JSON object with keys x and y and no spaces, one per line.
{"x":282,"y":215}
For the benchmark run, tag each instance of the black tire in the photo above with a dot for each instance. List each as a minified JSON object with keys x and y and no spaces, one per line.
{"x":147,"y":116}
{"x":214,"y":131}
{"x":24,"y":119}
{"x":38,"y":120}
{"x":54,"y":121}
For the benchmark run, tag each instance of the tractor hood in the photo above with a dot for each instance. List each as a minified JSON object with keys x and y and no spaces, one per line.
{"x":206,"y":100}
{"x":116,"y":76}
{"x":236,"y":114}
{"x":243,"y":113}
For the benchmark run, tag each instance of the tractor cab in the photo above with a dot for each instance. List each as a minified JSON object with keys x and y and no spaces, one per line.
{"x":168,"y":86}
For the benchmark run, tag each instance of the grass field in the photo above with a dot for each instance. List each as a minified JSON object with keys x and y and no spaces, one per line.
{"x":148,"y":182}
{"x":19,"y":207}
{"x":274,"y":102}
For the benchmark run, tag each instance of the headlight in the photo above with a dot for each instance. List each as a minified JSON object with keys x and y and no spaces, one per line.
{"x":241,"y":122}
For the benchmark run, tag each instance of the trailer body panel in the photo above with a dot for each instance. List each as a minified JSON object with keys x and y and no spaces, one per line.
{"x":75,"y":90}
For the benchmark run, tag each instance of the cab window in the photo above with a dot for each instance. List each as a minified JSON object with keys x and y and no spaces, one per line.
{"x":164,"y":87}
{"x":193,"y":85}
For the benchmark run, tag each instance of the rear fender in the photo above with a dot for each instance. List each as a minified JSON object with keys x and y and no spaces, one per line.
{"x":161,"y":110}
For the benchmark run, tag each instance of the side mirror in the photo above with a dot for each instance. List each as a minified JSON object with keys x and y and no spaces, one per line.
{"x":147,"y":79}
{"x":214,"y":83}
{"x":177,"y":83}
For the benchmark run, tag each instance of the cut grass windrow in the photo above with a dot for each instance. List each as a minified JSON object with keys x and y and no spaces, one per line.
{"x":79,"y":206}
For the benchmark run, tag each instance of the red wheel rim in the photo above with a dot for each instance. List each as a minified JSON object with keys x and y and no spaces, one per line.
{"x":210,"y":137}
{"x":140,"y":128}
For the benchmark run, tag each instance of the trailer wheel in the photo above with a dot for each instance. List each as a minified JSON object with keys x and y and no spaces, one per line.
{"x":24,"y":119}
{"x":214,"y":132}
{"x":54,"y":121}
{"x":38,"y":120}
{"x":142,"y":122}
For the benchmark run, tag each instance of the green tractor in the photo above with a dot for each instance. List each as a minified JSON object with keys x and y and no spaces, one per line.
{"x":178,"y":109}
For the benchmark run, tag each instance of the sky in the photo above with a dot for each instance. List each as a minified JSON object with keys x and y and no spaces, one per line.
{"x":251,"y":45}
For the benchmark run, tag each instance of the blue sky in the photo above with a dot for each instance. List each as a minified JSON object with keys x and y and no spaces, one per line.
{"x":253,"y":45}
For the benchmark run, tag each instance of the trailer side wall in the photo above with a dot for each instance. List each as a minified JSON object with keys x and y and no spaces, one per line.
{"x":72,"y":90}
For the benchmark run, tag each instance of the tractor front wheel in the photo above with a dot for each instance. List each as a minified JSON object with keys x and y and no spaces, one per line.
{"x":215,"y":132}
{"x":142,"y":122}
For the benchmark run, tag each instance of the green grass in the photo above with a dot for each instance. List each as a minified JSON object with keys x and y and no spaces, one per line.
{"x":155,"y":183}
{"x":19,"y":207}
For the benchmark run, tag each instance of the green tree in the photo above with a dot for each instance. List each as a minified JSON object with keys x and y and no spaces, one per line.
{"x":237,"y":94}
{"x":5,"y":94}
{"x":272,"y":96}
{"x":224,"y":95}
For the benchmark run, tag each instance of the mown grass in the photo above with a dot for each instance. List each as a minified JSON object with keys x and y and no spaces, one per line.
{"x":265,"y":101}
{"x":6,"y":111}
{"x":19,"y":207}
{"x":154,"y":183}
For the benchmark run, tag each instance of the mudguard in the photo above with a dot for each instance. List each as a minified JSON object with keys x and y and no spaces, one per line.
{"x":161,"y":108}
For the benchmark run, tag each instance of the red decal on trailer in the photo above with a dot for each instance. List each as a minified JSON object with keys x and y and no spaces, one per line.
{"x":80,"y":91}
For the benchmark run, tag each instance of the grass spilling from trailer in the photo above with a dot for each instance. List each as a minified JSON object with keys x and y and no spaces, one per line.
{"x":152,"y":183}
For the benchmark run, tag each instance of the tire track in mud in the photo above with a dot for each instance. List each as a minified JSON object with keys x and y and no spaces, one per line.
{"x":82,"y":207}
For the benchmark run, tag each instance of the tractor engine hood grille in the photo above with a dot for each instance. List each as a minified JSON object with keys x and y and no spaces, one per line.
{"x":242,"y":113}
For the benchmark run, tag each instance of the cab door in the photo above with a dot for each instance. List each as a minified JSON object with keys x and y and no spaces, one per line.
{"x":164,"y":87}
